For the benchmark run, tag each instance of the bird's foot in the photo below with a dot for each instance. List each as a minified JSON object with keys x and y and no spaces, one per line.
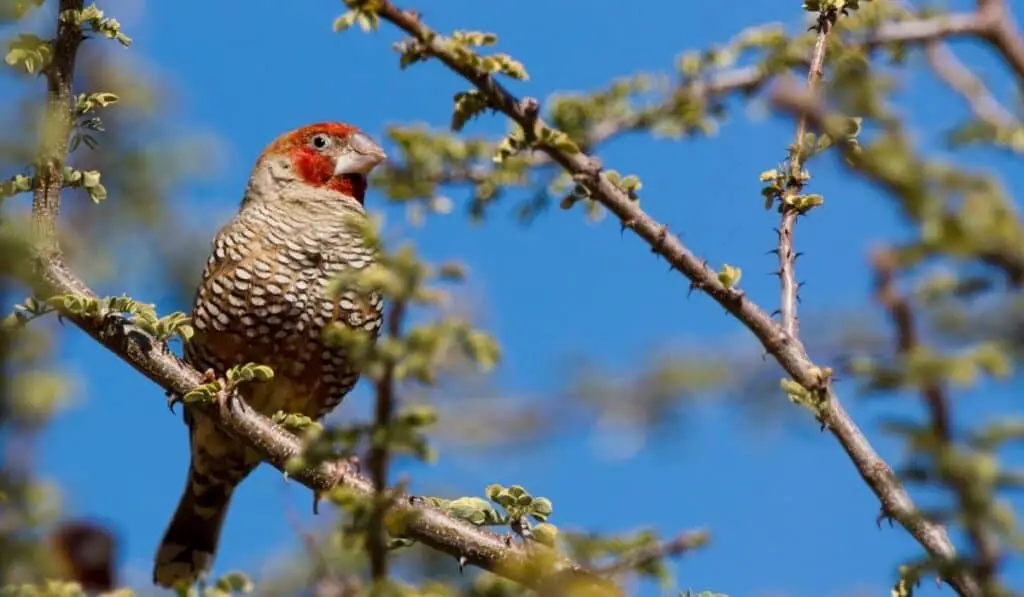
{"x":226,"y":398}
{"x":209,"y":376}
{"x":206,"y":390}
{"x":172,"y":401}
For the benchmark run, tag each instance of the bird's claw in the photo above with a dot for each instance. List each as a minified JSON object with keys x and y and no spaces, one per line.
{"x":225,"y":398}
{"x":172,"y":401}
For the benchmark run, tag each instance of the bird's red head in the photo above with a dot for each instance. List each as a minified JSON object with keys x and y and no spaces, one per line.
{"x":330,"y":155}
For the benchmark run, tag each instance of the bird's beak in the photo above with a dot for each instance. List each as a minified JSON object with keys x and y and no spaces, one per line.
{"x":362,"y":156}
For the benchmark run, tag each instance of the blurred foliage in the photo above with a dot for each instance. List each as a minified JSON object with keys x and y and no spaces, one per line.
{"x":955,"y":316}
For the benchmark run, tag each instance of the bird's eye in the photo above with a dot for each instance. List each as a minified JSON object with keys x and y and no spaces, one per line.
{"x":320,"y":141}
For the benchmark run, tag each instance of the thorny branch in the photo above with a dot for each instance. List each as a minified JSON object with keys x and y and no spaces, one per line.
{"x":745,"y":79}
{"x":1005,"y":256}
{"x":787,"y":349}
{"x":938,"y":405}
{"x":798,"y":102}
{"x":786,"y":251}
{"x":425,"y":524}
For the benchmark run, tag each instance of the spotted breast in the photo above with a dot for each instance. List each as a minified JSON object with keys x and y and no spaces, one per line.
{"x":263,"y":299}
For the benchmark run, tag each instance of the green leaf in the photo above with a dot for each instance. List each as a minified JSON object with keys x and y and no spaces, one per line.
{"x":545,"y":533}
{"x":344,"y":21}
{"x":18,"y":183}
{"x":235,"y":582}
{"x":474,"y":510}
{"x":541,"y":507}
{"x":29,"y":52}
{"x":468,"y":105}
{"x":729,"y":276}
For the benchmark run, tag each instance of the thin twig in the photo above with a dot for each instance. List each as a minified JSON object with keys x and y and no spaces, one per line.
{"x":960,"y":78}
{"x":789,"y":288}
{"x":425,"y":524}
{"x":745,"y":79}
{"x":1007,"y":257}
{"x":796,"y":101}
{"x":666,"y":549}
{"x":999,"y":28}
{"x":924,"y":30}
{"x":54,"y":135}
{"x":788,"y":351}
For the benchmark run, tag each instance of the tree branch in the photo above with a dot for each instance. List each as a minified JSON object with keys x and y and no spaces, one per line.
{"x":743,"y":79}
{"x":925,"y":30}
{"x":937,"y":403}
{"x":1005,"y":256}
{"x":787,"y":350}
{"x":949,"y":68}
{"x":999,"y":28}
{"x":677,"y":546}
{"x":53,"y":138}
{"x":790,"y":212}
{"x":427,"y":525}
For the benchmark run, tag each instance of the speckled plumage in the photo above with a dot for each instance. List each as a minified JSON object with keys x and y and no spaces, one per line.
{"x":262,"y":299}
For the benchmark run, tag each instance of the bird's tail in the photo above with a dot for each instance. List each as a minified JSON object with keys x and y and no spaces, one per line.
{"x":190,"y":541}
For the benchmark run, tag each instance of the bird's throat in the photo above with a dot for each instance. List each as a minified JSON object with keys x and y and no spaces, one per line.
{"x":353,"y":185}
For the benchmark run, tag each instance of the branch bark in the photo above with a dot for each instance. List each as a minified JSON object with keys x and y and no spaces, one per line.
{"x":949,"y":68}
{"x":1005,"y":256}
{"x":744,"y":79}
{"x":51,"y":276}
{"x":999,"y":28}
{"x":789,"y":288}
{"x":785,"y":348}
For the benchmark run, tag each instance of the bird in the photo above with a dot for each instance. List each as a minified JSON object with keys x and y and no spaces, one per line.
{"x":263,"y":299}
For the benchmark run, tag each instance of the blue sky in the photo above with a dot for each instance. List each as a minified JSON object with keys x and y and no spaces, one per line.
{"x":789,"y":514}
